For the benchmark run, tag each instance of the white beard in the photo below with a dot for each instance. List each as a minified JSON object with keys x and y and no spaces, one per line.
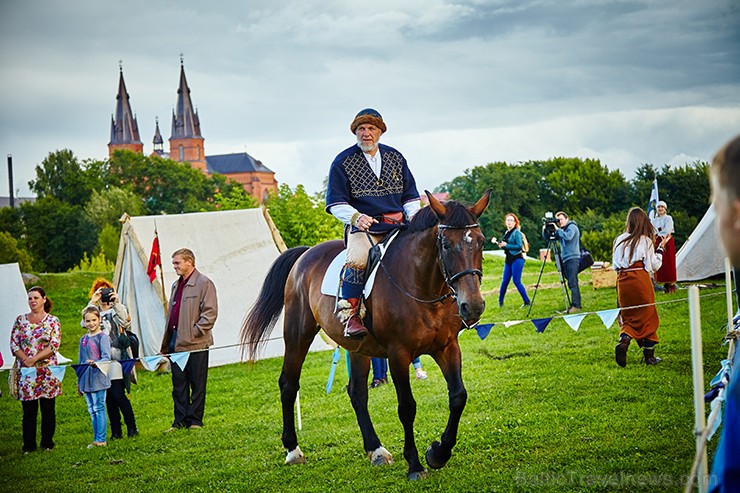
{"x":366,"y":147}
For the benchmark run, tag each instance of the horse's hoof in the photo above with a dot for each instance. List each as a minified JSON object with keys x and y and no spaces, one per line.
{"x":380,"y":457}
{"x":295,"y":456}
{"x":415,"y":476}
{"x":436,"y":458}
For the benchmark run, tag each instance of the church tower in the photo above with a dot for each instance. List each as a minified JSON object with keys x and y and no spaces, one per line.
{"x":186,"y":142}
{"x":158,"y":141}
{"x":124,"y":131}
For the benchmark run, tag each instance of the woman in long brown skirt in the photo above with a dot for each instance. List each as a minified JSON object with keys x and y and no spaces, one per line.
{"x":634,"y":258}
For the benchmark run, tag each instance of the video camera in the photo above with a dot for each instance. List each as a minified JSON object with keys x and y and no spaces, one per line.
{"x":548,"y":225}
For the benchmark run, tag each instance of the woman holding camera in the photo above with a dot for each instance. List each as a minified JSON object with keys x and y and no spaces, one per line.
{"x":512,"y":245}
{"x":115,"y":320}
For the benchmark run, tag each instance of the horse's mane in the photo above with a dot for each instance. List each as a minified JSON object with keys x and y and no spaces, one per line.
{"x":457,"y":215}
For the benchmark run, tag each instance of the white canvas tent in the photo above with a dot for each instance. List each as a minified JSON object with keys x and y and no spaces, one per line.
{"x":233,"y":248}
{"x":13,"y":302}
{"x":702,"y":255}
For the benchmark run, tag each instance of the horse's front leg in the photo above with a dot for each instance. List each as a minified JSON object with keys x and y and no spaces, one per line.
{"x":399,"y":366}
{"x":357,"y":389}
{"x":449,"y":362}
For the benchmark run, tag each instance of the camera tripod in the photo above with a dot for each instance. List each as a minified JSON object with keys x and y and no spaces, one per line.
{"x":554,"y":248}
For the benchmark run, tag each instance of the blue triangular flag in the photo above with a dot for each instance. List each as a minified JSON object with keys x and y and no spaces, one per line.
{"x":541,"y":323}
{"x":575,"y":320}
{"x":28,"y":372}
{"x":180,"y":359}
{"x":127,"y":365}
{"x":151,"y":362}
{"x":483,"y":330}
{"x":80,"y":369}
{"x":334,"y":360}
{"x":608,"y":316}
{"x":58,"y":371}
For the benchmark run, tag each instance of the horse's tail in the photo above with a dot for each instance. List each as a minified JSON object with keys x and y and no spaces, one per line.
{"x":268,"y":305}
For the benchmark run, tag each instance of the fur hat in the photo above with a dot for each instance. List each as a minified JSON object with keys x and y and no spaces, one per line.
{"x":368,"y":115}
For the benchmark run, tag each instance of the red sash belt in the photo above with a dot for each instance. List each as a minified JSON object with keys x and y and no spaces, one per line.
{"x":391,"y":218}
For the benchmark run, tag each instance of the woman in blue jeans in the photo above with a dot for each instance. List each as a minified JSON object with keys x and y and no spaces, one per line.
{"x":514,"y":263}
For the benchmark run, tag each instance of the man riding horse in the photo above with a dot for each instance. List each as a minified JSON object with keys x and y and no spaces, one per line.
{"x":371,"y":190}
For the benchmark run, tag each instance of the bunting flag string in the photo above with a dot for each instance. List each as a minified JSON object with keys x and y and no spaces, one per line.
{"x":103,"y":366}
{"x":483,"y":330}
{"x":27,"y":372}
{"x":334,"y":360}
{"x":80,"y":369}
{"x":541,"y":323}
{"x":127,"y":365}
{"x":575,"y":320}
{"x":608,"y":316}
{"x":58,"y":371}
{"x":151,"y":362}
{"x":511,"y":323}
{"x":180,"y":359}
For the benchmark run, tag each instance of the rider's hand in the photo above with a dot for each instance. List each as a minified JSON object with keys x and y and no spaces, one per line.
{"x":364,"y":222}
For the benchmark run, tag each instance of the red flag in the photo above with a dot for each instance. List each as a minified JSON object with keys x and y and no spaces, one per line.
{"x":154,"y":260}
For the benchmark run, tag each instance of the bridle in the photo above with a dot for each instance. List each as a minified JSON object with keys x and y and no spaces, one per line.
{"x":449,"y":279}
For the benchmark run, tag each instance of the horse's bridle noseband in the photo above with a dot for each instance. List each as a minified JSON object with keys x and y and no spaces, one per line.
{"x":450,"y":279}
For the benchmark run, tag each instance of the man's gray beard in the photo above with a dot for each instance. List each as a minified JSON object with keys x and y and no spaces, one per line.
{"x":365,"y":147}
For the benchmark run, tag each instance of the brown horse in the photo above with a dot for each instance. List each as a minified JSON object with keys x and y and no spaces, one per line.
{"x":426,"y":289}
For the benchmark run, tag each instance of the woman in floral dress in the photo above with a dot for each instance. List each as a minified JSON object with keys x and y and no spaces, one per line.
{"x":34,"y":341}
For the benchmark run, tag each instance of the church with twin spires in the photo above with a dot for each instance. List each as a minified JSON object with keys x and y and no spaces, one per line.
{"x":187,"y":143}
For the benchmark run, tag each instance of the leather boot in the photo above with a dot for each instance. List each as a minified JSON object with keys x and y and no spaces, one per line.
{"x":620,"y":352}
{"x":354,"y":329}
{"x":650,"y":358}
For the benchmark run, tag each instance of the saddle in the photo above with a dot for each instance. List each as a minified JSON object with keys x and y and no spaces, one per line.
{"x":330,"y":282}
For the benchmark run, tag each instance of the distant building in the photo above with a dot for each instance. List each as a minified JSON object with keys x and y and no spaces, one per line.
{"x":5,"y":201}
{"x":187,"y":143}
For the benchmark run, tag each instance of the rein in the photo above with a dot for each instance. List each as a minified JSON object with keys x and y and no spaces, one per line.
{"x":448,"y":279}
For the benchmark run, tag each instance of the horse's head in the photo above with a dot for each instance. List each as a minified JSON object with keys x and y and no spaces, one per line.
{"x":460,"y":244}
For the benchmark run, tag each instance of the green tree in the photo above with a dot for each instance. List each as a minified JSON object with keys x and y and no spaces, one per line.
{"x":106,"y":207}
{"x":169,"y":187}
{"x":108,"y":240}
{"x":301,"y":218}
{"x":238,"y":198}
{"x":10,"y":252}
{"x":57,"y":233}
{"x":61,"y":176}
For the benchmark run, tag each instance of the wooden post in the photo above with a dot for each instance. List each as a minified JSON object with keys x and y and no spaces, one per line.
{"x":698,"y":366}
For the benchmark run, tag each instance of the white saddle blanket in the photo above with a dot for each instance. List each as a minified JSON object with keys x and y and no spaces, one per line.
{"x":330,"y":284}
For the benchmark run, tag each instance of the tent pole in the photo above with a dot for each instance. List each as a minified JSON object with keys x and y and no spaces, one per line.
{"x":728,"y":292}
{"x":698,"y":366}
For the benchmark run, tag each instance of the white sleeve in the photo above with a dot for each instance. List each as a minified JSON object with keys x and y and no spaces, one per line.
{"x":653,"y":260}
{"x":411,"y":208}
{"x":343,"y":212}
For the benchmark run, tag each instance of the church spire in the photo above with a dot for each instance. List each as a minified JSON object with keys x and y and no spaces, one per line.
{"x":186,"y":142}
{"x":124,"y":130}
{"x":185,"y":122}
{"x":158,"y":141}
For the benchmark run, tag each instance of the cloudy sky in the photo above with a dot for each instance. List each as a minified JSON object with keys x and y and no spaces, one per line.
{"x":459,"y":83}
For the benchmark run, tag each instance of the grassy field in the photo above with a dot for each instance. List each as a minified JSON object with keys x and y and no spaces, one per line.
{"x":546,"y":412}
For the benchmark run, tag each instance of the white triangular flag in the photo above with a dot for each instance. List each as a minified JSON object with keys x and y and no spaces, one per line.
{"x":608,"y":316}
{"x":575,"y":320}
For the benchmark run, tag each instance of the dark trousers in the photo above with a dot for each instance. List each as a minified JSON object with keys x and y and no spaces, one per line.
{"x":570,"y":272}
{"x":48,"y":423}
{"x":380,"y":368}
{"x":189,"y":390}
{"x":117,"y":403}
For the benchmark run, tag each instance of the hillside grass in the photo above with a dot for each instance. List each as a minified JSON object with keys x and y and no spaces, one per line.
{"x":545,"y":412}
